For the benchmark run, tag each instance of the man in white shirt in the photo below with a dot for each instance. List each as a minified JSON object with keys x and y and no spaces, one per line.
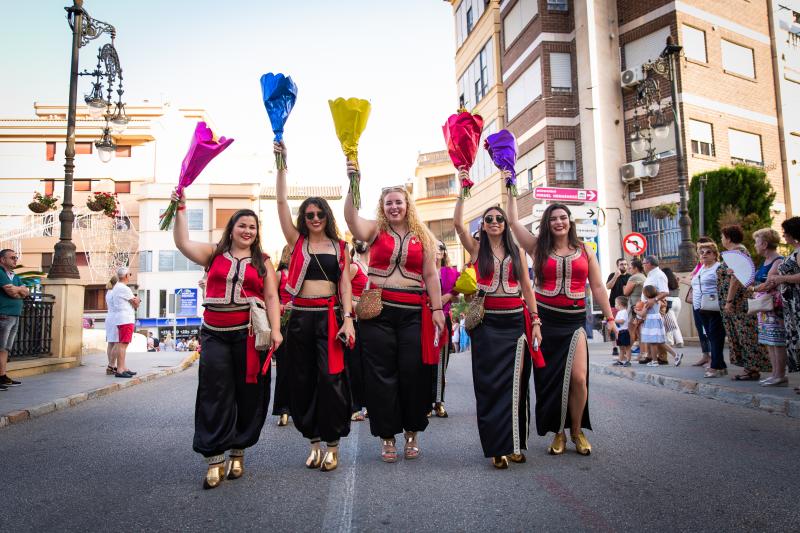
{"x":655,"y":277}
{"x":123,"y":309}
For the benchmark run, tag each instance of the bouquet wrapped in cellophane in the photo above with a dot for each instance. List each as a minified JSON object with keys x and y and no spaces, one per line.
{"x":350,"y":119}
{"x":502,"y":147}
{"x":279,"y":93}
{"x":462,"y":133}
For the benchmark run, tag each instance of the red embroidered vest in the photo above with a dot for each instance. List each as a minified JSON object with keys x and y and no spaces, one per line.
{"x":298,"y":264}
{"x":388,"y":252}
{"x":359,"y":281}
{"x":284,"y":296}
{"x":565,"y":278}
{"x":233,"y":281}
{"x":500,"y":274}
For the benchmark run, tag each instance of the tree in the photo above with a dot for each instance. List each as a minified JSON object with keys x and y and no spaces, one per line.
{"x":743,"y":190}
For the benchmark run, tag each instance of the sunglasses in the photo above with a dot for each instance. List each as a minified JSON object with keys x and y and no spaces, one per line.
{"x":489,"y":219}
{"x":705,"y":252}
{"x":320,"y":215}
{"x":13,"y":257}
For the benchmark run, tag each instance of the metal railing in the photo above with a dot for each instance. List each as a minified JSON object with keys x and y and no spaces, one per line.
{"x":34,"y":332}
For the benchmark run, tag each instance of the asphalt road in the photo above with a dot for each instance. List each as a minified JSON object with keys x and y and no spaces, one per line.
{"x":662,"y":461}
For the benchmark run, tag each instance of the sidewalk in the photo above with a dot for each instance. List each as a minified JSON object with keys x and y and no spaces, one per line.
{"x":45,"y":393}
{"x":689,"y":379}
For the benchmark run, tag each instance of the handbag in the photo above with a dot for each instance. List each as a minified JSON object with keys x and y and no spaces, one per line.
{"x":259,"y":323}
{"x":763,"y":303}
{"x":474,"y":314}
{"x":467,"y":282}
{"x":370,"y":304}
{"x":708,"y":302}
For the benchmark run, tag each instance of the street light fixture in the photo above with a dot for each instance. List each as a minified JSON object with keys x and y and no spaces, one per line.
{"x":85,"y":29}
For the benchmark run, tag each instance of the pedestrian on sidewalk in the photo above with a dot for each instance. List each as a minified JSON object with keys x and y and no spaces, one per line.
{"x":615,"y":284}
{"x":321,"y":324}
{"x":12,"y":292}
{"x":653,"y":334}
{"x":702,"y":335}
{"x":633,"y":291}
{"x":354,"y":360}
{"x":123,"y":311}
{"x":234,"y":387}
{"x":674,"y":334}
{"x":788,"y":279}
{"x":622,"y":321}
{"x":112,"y":333}
{"x":771,"y":328}
{"x":447,"y":278}
{"x":657,"y":279}
{"x":740,"y":328}
{"x":706,"y":303}
{"x":562,"y":266}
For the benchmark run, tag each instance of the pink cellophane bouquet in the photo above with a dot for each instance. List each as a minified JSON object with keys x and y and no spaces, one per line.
{"x":462,"y":133}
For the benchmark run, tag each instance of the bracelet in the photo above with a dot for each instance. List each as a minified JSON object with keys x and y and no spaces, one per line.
{"x":347,"y":315}
{"x":438,"y":309}
{"x":609,"y":319}
{"x":536,"y":322}
{"x":181,"y":207}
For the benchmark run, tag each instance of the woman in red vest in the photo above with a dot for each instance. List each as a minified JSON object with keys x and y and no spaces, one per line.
{"x":399,"y":343}
{"x":280,"y":405}
{"x":501,"y":365}
{"x":319,"y":283}
{"x":353,"y":359}
{"x":233,"y":392}
{"x":562,"y":265}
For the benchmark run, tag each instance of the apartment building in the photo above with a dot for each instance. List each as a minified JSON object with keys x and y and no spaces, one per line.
{"x":562,"y":94}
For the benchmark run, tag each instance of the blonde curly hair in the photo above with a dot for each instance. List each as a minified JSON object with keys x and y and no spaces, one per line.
{"x":415,"y":225}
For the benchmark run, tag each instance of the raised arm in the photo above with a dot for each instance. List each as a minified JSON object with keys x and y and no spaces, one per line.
{"x":290,"y":232}
{"x":469,"y":244}
{"x":198,"y":252}
{"x":361,"y":228}
{"x":524,"y":237}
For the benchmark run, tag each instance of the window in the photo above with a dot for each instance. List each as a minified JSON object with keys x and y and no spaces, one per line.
{"x":738,"y":59}
{"x":745,"y":148}
{"x":145,"y":261}
{"x":663,"y":236}
{"x":694,"y":43}
{"x":526,"y":89}
{"x":222,"y":217}
{"x":166,"y":302}
{"x":531,"y":168}
{"x":174,"y":261}
{"x":123,"y":151}
{"x":50,"y":151}
{"x":516,"y":20}
{"x":467,"y":13}
{"x":645,"y":49}
{"x":557,"y":5}
{"x":122,"y":186}
{"x":443,"y":230}
{"x":83,"y":148}
{"x":49,"y":186}
{"x":470,"y":21}
{"x":477,"y":78}
{"x":194,"y":218}
{"x":565,"y":160}
{"x":441,"y":186}
{"x":82,"y":185}
{"x":702,"y":137}
{"x":483,"y":167}
{"x":560,"y":72}
{"x":94,"y":298}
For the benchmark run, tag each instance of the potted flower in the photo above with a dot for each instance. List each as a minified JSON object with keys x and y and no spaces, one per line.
{"x":42,"y":203}
{"x":663,"y":211}
{"x":103,"y":201}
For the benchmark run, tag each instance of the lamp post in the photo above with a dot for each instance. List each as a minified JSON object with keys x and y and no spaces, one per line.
{"x":667,"y":65}
{"x":84,"y":30}
{"x":701,"y":211}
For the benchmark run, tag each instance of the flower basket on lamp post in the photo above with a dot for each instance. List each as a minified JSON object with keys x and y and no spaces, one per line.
{"x":660,"y":212}
{"x":42,"y":203}
{"x":103,"y":201}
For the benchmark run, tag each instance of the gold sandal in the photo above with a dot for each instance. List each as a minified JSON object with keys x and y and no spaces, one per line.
{"x":411,"y":448}
{"x":389,"y":452}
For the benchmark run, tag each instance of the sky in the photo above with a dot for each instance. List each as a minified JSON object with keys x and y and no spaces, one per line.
{"x":399,"y":54}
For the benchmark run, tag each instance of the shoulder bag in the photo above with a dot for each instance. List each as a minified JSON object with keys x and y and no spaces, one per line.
{"x":474,"y":313}
{"x":708,"y":302}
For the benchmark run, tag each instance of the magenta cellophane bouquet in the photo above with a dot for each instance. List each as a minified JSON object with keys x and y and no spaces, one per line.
{"x":462,"y":133}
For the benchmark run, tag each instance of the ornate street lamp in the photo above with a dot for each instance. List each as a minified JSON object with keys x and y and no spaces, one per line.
{"x":84,"y":30}
{"x":649,"y":95}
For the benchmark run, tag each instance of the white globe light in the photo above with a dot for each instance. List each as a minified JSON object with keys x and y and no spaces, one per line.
{"x":638,"y":144}
{"x":96,"y":108}
{"x":661,"y":131}
{"x":105,"y":154}
{"x":118,"y":124}
{"x":651,"y":169}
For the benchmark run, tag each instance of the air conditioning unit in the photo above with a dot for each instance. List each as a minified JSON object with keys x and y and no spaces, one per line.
{"x":631,"y":172}
{"x":630,"y":78}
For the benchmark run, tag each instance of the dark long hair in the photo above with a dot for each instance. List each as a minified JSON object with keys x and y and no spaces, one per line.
{"x":224,"y":245}
{"x":331,"y":231}
{"x":485,"y":255}
{"x":544,"y":243}
{"x":672,"y":281}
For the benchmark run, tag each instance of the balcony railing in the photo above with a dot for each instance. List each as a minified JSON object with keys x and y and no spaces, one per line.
{"x":436,"y":192}
{"x":748,"y":162}
{"x":34,"y":332}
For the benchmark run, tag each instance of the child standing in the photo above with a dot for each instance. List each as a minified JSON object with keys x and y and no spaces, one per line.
{"x":652,"y":332}
{"x":623,"y":335}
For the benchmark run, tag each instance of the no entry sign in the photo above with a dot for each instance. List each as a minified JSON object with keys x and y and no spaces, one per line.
{"x":634,"y":243}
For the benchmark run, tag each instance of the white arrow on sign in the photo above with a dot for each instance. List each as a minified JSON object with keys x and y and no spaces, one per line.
{"x":586,"y":231}
{"x":579,"y":212}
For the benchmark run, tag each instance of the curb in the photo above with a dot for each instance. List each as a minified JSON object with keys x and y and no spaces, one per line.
{"x":751,"y":400}
{"x":15,"y":417}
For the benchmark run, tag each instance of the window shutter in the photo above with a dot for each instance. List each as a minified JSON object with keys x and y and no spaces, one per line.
{"x":560,"y":70}
{"x":745,"y":145}
{"x":564,"y":150}
{"x":738,"y":59}
{"x":525,"y":89}
{"x":694,"y":43}
{"x":700,"y":131}
{"x":646,"y":49}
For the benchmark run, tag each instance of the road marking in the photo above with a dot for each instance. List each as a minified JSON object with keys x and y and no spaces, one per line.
{"x":339,"y":508}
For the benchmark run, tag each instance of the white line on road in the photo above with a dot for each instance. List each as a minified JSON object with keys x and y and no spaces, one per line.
{"x":339,"y":508}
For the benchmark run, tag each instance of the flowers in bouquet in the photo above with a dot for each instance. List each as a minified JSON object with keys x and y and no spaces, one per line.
{"x":350,"y":119}
{"x":279,"y":93}
{"x":42,"y":203}
{"x":202,"y":149}
{"x":462,"y":133}
{"x":105,"y":202}
{"x":502,"y":147}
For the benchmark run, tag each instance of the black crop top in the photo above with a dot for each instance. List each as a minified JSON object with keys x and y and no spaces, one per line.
{"x":329,"y":263}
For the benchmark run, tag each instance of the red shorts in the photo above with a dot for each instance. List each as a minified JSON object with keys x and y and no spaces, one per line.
{"x":125,"y":333}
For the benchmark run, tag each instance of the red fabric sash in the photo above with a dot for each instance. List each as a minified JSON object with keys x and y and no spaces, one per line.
{"x":430,"y":349}
{"x":222,"y":319}
{"x":501,"y":303}
{"x":335,"y":348}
